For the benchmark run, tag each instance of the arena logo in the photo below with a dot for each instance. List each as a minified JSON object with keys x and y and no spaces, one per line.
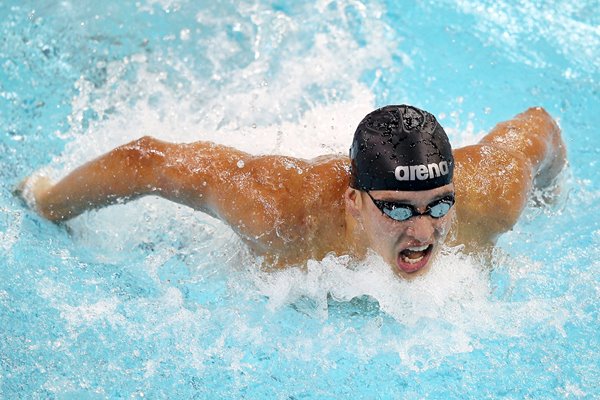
{"x":421,"y":172}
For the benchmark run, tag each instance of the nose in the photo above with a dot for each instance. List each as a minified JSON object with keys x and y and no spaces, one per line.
{"x":421,"y":228}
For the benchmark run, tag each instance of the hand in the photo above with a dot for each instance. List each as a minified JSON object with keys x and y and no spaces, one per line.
{"x":33,"y":189}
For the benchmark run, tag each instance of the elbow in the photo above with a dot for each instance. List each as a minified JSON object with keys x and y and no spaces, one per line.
{"x":547,"y":128}
{"x":145,"y":148}
{"x":540,"y":115}
{"x":143,"y":158}
{"x":539,"y":111}
{"x":543,"y":119}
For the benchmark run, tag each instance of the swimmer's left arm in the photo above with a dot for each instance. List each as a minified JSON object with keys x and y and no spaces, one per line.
{"x":494,"y":178}
{"x":534,"y":136}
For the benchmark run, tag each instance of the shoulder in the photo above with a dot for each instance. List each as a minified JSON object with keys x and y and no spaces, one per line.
{"x":311,"y":191}
{"x":286,"y":200}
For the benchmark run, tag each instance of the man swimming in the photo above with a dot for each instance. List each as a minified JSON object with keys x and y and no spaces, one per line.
{"x":400,"y":193}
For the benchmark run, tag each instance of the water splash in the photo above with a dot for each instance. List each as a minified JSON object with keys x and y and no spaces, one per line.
{"x":446,"y":312}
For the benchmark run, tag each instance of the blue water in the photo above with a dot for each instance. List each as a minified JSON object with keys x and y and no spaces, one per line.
{"x":152,"y":300}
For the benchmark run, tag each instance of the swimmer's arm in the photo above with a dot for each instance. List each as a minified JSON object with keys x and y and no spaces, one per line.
{"x":495,"y":177}
{"x":261,"y":197}
{"x":123,"y":174}
{"x":534,"y":137}
{"x":249,"y":193}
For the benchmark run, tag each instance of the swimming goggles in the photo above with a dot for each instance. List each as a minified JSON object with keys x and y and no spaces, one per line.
{"x":402,"y":211}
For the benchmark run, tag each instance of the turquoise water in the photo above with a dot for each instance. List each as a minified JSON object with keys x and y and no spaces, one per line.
{"x":151,"y":300}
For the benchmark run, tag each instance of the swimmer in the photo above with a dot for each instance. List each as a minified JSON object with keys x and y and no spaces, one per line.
{"x":399,"y":194}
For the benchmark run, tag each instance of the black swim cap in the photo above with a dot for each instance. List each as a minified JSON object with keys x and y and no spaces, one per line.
{"x":400,"y":148}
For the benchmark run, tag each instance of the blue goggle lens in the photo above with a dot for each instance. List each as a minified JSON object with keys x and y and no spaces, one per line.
{"x":403,"y":212}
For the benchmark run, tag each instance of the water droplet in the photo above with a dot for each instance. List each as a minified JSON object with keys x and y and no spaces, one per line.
{"x":240,"y":164}
{"x":184,"y":34}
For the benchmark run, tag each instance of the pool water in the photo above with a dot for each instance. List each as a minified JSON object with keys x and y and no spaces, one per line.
{"x":152,"y":300}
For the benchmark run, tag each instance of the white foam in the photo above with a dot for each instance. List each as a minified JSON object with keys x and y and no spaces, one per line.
{"x":57,"y":295}
{"x":453,"y":279}
{"x":12,"y":222}
{"x":447,"y":311}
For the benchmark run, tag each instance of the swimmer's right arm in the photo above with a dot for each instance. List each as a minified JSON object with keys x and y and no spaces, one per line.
{"x":125,"y":173}
{"x":247,"y":192}
{"x":184,"y":173}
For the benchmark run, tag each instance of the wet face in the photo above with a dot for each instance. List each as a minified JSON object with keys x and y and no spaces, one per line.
{"x":408,"y":246}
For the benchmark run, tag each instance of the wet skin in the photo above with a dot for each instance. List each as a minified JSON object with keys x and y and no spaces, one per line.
{"x":408,"y":246}
{"x":290,"y":217}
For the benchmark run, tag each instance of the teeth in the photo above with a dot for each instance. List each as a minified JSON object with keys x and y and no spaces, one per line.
{"x":422,"y":248}
{"x":412,"y":260}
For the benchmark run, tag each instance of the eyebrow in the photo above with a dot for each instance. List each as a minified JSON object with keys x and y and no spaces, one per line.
{"x":404,"y":201}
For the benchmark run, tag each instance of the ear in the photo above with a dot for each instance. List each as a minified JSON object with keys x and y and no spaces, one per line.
{"x":353,"y":201}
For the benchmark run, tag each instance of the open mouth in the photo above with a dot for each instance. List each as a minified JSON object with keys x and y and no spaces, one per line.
{"x":413,"y":259}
